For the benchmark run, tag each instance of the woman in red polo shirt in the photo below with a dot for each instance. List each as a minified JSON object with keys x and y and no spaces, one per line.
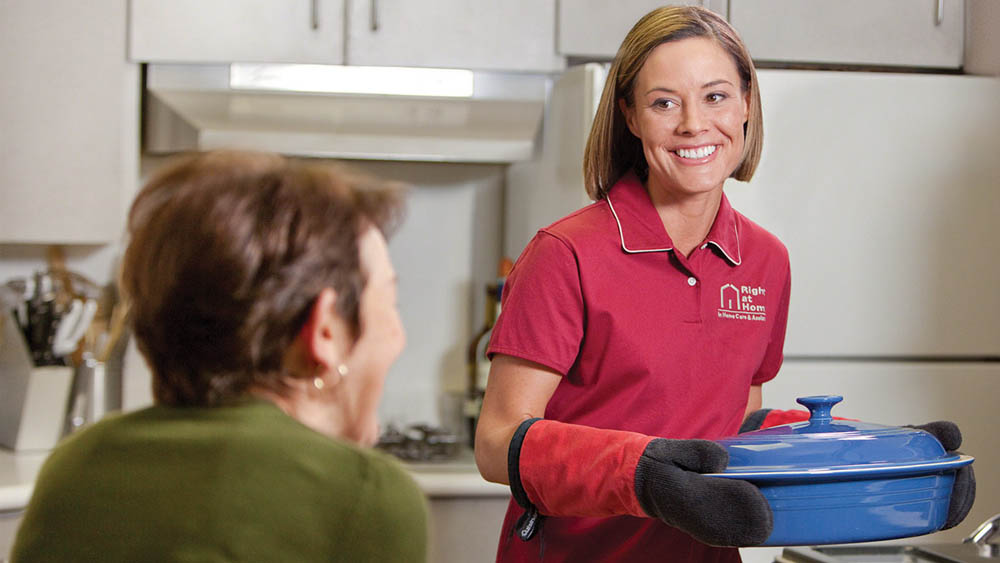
{"x":657,"y":311}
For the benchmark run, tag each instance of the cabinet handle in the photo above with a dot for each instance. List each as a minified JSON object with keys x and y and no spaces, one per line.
{"x":314,"y":14}
{"x":374,"y":15}
{"x":939,"y":13}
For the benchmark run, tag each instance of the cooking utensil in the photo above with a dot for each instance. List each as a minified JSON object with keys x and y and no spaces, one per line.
{"x":72,"y":325}
{"x":839,"y":481}
{"x":53,"y":309}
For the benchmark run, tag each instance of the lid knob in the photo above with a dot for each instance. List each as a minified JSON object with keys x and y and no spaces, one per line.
{"x":819,"y":407}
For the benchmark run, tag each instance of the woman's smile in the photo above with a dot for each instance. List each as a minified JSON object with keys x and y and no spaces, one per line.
{"x":696,"y":155}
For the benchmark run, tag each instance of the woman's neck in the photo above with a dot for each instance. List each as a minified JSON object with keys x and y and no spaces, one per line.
{"x":307,"y":409}
{"x":687,"y":217}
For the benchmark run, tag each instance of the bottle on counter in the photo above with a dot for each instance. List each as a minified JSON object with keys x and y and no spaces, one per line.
{"x":478,"y":365}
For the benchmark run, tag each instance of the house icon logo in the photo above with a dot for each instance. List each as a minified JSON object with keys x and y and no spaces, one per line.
{"x":729,"y":297}
{"x":742,"y":303}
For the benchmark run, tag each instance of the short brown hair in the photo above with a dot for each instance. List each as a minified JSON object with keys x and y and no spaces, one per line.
{"x":612,"y":150}
{"x":227,"y":253}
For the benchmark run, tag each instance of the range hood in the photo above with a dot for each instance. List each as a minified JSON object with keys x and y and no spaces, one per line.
{"x":200,"y":108}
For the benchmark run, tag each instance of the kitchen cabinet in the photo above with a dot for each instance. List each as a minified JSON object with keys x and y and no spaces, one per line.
{"x":856,"y":32}
{"x":465,"y":528}
{"x":475,"y":34}
{"x":203,"y":31}
{"x":69,"y":109}
{"x":593,"y":29}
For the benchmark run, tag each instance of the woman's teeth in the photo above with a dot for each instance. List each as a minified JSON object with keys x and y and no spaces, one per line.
{"x":700,"y":152}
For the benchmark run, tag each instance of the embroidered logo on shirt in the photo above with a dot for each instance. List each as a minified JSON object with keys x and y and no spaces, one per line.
{"x":737,"y":302}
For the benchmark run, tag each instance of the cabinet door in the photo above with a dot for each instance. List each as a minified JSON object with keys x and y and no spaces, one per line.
{"x":69,"y":115}
{"x":867,"y":32}
{"x":475,"y":34}
{"x":277,"y":31}
{"x":594,"y":29}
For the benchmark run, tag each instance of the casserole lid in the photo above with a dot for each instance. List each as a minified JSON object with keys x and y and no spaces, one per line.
{"x":837,"y":448}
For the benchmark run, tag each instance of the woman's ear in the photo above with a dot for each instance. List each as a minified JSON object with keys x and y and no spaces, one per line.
{"x":324,"y":338}
{"x":629,"y":114}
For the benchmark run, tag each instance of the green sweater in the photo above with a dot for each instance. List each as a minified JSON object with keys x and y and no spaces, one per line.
{"x":240,"y":483}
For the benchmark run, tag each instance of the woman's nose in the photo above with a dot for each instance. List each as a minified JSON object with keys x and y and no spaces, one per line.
{"x":692,"y":120}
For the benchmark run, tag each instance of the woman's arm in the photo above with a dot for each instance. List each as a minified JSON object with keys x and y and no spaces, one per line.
{"x":575,"y":470}
{"x":517,"y":390}
{"x":755,"y":401}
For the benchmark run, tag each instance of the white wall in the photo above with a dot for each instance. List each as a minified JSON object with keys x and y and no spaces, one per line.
{"x":445,"y":253}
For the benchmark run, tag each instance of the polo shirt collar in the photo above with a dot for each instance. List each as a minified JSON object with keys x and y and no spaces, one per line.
{"x":641,"y":230}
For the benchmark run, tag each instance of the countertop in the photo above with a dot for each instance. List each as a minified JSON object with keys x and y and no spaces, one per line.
{"x":454,"y":478}
{"x":444,"y":479}
{"x":17,"y":477}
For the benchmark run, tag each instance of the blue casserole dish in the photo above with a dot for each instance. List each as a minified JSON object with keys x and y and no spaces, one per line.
{"x":839,"y":481}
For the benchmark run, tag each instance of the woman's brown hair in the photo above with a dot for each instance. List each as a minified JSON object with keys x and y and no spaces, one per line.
{"x":612,"y":150}
{"x":227,"y":253}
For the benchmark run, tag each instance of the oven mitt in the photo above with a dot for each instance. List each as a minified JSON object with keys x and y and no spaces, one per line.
{"x":559,"y":469}
{"x":963,"y":492}
{"x":766,"y":418}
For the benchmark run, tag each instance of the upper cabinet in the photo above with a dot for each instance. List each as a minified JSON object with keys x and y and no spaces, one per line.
{"x":853,"y":32}
{"x":593,"y":29}
{"x":516,"y":35}
{"x":69,"y":108}
{"x":222,"y":31}
{"x":880,"y":33}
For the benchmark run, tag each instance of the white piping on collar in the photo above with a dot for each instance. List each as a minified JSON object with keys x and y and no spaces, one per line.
{"x":621,"y":235}
{"x":726,"y":254}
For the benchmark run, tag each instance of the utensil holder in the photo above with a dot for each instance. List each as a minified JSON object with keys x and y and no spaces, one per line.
{"x":32,"y":399}
{"x":96,"y":392}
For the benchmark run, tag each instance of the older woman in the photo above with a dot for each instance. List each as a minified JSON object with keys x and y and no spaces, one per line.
{"x":264,"y":300}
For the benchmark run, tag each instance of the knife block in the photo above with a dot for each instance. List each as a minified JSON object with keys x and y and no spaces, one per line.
{"x":32,"y":399}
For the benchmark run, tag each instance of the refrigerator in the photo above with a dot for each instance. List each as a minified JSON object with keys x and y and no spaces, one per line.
{"x":885,"y":187}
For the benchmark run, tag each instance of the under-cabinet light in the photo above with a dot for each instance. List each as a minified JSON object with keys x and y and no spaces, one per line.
{"x":393,"y":81}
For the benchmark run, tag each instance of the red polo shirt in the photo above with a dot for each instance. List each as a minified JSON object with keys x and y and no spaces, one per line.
{"x":647,"y":340}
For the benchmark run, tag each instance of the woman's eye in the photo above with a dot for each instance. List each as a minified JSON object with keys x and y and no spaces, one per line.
{"x":664,"y":104}
{"x":716,"y":97}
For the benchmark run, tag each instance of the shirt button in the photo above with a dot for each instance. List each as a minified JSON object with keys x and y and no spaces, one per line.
{"x":692,"y":282}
